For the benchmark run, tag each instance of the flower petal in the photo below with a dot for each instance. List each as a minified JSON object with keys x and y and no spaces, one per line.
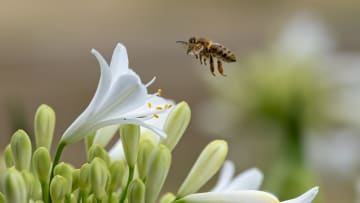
{"x":119,"y":62}
{"x":122,"y":120}
{"x":104,"y":82}
{"x":248,"y":180}
{"x":307,"y":197}
{"x":117,"y":152}
{"x":225,"y":176}
{"x":244,"y":196}
{"x":125,"y":94}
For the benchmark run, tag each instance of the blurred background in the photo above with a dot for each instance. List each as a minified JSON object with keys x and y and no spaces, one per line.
{"x":289,"y":105}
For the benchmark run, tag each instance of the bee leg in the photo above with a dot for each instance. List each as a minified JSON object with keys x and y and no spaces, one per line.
{"x":212,"y":69}
{"x":200,"y":56}
{"x":205,"y":61}
{"x":196,"y":56}
{"x":220,"y":68}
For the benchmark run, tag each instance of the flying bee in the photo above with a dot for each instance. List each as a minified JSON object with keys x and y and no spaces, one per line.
{"x":204,"y":49}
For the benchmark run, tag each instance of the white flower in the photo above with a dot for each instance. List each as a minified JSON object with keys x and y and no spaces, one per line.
{"x":250,"y":179}
{"x":120,"y":98}
{"x":245,"y":196}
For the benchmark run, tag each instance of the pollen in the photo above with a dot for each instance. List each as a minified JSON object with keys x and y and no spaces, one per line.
{"x":156,"y":115}
{"x":149,"y":105}
{"x":159,"y":108}
{"x":159,"y":92}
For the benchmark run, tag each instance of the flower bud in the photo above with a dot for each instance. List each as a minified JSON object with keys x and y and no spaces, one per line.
{"x":130,"y":135}
{"x":29,"y":180}
{"x":176,"y":124}
{"x":75,"y":179}
{"x":136,"y":192}
{"x":42,"y":164}
{"x":99,"y":178}
{"x":158,"y":168}
{"x":65,"y":170}
{"x":145,"y":149}
{"x":84,"y":180}
{"x":21,"y":150}
{"x":2,"y":198}
{"x":44,"y":125}
{"x":168,"y":198}
{"x":58,"y":188}
{"x":240,"y":196}
{"x":207,"y":164}
{"x":98,"y":151}
{"x":14,"y":186}
{"x":8,"y":156}
{"x":117,"y":171}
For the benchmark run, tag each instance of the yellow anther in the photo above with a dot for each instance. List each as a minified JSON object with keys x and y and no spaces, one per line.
{"x":149,"y":105}
{"x":159,"y":108}
{"x":159,"y":92}
{"x":156,"y":116}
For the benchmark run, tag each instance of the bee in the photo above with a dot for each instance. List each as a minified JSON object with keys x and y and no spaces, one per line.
{"x":204,"y":49}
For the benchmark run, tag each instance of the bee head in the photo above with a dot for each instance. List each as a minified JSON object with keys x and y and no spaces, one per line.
{"x":192,"y":40}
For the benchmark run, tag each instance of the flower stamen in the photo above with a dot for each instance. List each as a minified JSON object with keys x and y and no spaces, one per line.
{"x":159,"y":92}
{"x":156,"y":115}
{"x":149,"y":105}
{"x":159,"y":108}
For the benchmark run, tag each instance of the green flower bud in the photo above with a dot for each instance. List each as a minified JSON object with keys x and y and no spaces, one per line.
{"x":130,"y":135}
{"x":208,"y":163}
{"x":65,"y":170}
{"x":44,"y":125}
{"x":99,"y":178}
{"x":104,"y":135}
{"x":168,"y":198}
{"x":14,"y":186}
{"x":42,"y":164}
{"x":176,"y":124}
{"x":117,"y":172}
{"x":158,"y":168}
{"x":145,"y":149}
{"x":136,"y":192}
{"x":2,"y":198}
{"x":75,"y":179}
{"x":29,"y":181}
{"x":38,"y":191}
{"x":58,"y":188}
{"x":21,"y":150}
{"x":149,"y":136}
{"x":84,"y":181}
{"x":8,"y":156}
{"x":98,"y":151}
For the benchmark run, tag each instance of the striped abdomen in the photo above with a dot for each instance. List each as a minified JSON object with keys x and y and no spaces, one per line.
{"x":221,"y":52}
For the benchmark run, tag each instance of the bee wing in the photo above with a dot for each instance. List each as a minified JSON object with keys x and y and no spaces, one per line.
{"x":183,"y":43}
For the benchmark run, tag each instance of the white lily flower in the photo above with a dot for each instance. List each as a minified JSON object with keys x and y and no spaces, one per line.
{"x":120,"y":98}
{"x":245,"y":196}
{"x":250,"y":179}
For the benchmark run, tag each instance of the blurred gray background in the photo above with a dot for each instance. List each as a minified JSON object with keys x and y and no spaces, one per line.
{"x":45,"y":58}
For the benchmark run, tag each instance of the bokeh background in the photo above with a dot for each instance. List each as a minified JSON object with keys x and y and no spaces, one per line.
{"x":45,"y":58}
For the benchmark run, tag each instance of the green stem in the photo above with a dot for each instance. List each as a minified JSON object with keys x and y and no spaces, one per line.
{"x":124,"y":193}
{"x":84,"y":197}
{"x":45,"y":191}
{"x":59,"y":150}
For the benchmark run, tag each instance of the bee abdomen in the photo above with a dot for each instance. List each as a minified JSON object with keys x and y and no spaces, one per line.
{"x":223,"y":53}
